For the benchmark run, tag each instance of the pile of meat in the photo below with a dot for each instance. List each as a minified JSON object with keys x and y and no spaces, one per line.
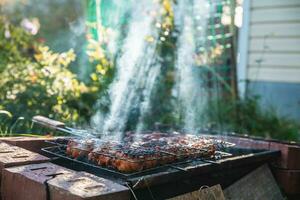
{"x":148,"y":151}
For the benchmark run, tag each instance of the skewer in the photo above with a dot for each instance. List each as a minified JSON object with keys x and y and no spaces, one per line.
{"x":60,"y":126}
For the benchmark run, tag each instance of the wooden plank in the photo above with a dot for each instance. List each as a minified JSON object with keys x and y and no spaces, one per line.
{"x":206,"y":193}
{"x":275,"y":15}
{"x":275,"y":30}
{"x":259,"y":184}
{"x":274,"y":60}
{"x":272,"y":3}
{"x":275,"y":44}
{"x":274,"y":74}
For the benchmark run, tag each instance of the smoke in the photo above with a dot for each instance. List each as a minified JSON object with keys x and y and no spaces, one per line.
{"x":137,"y":69}
{"x":114,"y":15}
{"x":191,"y":94}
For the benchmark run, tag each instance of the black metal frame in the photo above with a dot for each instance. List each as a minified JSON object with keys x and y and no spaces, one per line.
{"x":232,"y":154}
{"x":58,"y":152}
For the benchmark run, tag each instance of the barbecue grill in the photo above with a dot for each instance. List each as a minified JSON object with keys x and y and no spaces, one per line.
{"x":226,"y":165}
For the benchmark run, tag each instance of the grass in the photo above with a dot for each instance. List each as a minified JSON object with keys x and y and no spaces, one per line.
{"x":248,"y":117}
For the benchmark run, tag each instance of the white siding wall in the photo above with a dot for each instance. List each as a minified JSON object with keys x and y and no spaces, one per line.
{"x":274,"y":41}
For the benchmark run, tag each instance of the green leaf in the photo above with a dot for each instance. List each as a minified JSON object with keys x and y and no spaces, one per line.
{"x":6,"y":113}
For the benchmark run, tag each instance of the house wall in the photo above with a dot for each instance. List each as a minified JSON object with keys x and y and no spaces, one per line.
{"x":272,"y":60}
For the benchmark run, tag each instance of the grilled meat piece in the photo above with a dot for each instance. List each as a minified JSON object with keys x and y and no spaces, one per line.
{"x":77,"y":149}
{"x":149,"y":152}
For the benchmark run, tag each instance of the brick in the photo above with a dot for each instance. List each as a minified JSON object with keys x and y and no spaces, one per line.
{"x":288,"y":180}
{"x":260,"y":144}
{"x":15,"y":156}
{"x":290,"y":155}
{"x":247,"y":143}
{"x":82,"y":186}
{"x":34,"y":144}
{"x":28,"y":182}
{"x":6,"y":147}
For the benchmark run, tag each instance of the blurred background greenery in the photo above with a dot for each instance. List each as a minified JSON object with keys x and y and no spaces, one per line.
{"x":53,"y":63}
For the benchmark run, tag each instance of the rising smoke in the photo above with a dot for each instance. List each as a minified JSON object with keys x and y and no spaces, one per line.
{"x":139,"y":68}
{"x":191,"y":94}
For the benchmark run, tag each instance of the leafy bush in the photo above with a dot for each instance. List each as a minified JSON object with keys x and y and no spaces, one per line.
{"x":35,"y":80}
{"x":248,"y":117}
{"x":15,"y":44}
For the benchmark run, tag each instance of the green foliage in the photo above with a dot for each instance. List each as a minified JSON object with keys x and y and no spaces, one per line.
{"x":248,"y":117}
{"x":8,"y":123}
{"x":35,"y":80}
{"x":5,"y":118}
{"x":103,"y":66}
{"x":15,"y":44}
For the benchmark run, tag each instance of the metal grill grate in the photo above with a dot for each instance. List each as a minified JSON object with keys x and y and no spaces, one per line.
{"x":186,"y":154}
